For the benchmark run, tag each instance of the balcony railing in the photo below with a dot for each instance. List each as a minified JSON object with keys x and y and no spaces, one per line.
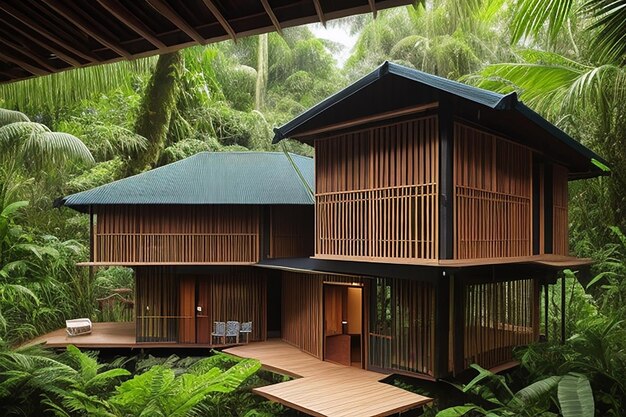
{"x":176,"y":248}
{"x":378,"y":224}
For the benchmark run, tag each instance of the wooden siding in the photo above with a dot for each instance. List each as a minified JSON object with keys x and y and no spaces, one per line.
{"x":376,"y":193}
{"x":493,"y":189}
{"x":402,"y":332}
{"x":560,"y":230}
{"x":291,"y":232}
{"x":180,"y":234}
{"x":498,"y":317}
{"x":166,"y":304}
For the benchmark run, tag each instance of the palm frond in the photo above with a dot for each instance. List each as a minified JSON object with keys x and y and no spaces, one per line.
{"x":609,"y":43}
{"x":62,"y":89}
{"x":530,"y":18}
{"x":12,"y":116}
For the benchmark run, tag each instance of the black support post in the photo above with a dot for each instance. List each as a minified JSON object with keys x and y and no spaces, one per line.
{"x":562,"y":309}
{"x":446,"y":181}
{"x":442,"y":325}
{"x":546,"y":307}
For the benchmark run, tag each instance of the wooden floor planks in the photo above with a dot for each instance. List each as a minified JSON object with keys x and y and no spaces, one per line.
{"x":325,"y":389}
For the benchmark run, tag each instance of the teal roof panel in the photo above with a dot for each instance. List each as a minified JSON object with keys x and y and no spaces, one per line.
{"x":211,"y":178}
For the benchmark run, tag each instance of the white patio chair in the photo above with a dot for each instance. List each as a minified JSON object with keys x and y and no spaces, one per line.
{"x":219,"y":330}
{"x":232,"y":330}
{"x":78,"y":327}
{"x":246,"y":328}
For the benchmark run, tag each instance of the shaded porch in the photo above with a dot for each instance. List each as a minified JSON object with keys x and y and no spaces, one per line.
{"x":326,"y":389}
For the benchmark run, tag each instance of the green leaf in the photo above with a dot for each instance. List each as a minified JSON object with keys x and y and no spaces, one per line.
{"x":538,"y":390}
{"x":575,"y":396}
{"x":457,"y":411}
{"x":12,"y":208}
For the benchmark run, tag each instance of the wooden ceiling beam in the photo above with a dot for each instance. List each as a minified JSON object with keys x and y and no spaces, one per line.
{"x":44,"y":32}
{"x":22,"y":50}
{"x":25,"y":65}
{"x":373,"y":7}
{"x":127,"y":18}
{"x":320,"y":12}
{"x":270,"y":13}
{"x":48,"y":47}
{"x":220,"y":18}
{"x":87,"y":27}
{"x":170,"y":14}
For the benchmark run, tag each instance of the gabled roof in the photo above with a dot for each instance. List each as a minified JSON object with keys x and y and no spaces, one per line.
{"x":392,"y":87}
{"x":211,"y":178}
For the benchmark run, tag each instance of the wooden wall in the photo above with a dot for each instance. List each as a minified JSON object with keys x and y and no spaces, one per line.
{"x":176,"y":234}
{"x":376,"y":192}
{"x":166,"y":303}
{"x":498,"y":317}
{"x":291,"y":231}
{"x":493,"y":191}
{"x":560,"y":230}
{"x":402,"y":328}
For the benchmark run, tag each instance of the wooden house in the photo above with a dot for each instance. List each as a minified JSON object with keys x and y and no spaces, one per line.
{"x":437,"y":213}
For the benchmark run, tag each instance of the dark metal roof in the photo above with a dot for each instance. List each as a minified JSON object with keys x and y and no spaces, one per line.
{"x":41,"y":37}
{"x":392,"y":87}
{"x":211,"y":178}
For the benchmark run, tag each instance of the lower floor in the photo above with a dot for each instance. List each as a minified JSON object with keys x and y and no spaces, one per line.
{"x":428,"y":328}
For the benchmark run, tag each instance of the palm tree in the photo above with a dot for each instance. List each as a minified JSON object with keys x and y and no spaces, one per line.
{"x":32,"y":147}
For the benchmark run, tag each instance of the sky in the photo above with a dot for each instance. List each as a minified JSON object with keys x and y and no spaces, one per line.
{"x":339,"y":34}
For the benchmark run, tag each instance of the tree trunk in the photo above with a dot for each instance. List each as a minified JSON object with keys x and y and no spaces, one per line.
{"x":156,"y":110}
{"x":261,"y":71}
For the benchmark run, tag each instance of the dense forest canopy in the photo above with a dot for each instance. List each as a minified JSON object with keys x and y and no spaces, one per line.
{"x":75,"y":130}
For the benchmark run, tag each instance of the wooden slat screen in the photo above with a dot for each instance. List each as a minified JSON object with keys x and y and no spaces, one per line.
{"x":180,"y":234}
{"x":560,"y":220}
{"x":402,"y":326}
{"x":377,"y":194}
{"x":498,"y":317}
{"x":291,"y":232}
{"x":493,"y":189}
{"x":302,"y":311}
{"x":302,"y":321}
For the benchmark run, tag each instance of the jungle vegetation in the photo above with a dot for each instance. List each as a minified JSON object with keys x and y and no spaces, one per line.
{"x":75,"y":130}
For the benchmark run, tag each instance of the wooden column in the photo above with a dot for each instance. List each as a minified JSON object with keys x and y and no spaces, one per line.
{"x":446,"y":179}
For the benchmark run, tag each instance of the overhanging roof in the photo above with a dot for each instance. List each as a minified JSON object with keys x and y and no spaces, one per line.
{"x":393,"y":89}
{"x":42,"y":37}
{"x":211,"y":178}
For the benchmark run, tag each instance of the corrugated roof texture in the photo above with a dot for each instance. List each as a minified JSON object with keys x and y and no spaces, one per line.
{"x":211,"y":178}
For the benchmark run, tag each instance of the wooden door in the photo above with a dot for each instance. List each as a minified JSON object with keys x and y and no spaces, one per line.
{"x":187,"y":310}
{"x":203,"y":319}
{"x":336,"y":338}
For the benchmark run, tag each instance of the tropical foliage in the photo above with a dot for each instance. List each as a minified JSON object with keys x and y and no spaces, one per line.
{"x":565,"y":58}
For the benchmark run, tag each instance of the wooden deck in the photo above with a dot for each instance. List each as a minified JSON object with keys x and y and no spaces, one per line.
{"x":110,"y":335}
{"x":323,"y":388}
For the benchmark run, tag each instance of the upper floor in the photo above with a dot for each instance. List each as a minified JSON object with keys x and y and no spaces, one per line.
{"x":413,"y":168}
{"x":212,"y":208}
